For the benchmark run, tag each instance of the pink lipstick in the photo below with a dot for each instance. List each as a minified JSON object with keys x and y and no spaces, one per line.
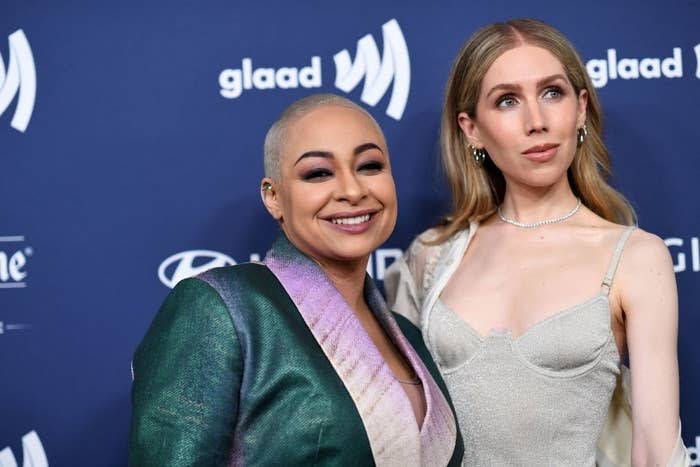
{"x":541,"y":152}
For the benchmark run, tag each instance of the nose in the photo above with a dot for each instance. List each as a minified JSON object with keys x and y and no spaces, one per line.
{"x":535,"y":119}
{"x":350,"y":188}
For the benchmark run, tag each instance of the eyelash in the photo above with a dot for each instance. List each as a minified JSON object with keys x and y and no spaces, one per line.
{"x":510,"y":97}
{"x":316,"y":174}
{"x":501,"y":100}
{"x":556,"y":89}
{"x":372,"y":166}
{"x":319,"y":174}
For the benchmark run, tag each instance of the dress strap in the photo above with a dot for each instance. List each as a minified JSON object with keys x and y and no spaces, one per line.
{"x":607,"y":282}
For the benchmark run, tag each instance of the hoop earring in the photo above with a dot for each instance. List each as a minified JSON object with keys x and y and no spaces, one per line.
{"x":479,"y":155}
{"x":581,"y":135}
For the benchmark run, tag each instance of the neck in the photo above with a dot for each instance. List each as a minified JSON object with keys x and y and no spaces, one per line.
{"x":349,"y":278}
{"x":528,"y":204}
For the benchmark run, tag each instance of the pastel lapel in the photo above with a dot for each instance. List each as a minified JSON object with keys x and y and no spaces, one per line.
{"x":380,"y":400}
{"x":438,"y":433}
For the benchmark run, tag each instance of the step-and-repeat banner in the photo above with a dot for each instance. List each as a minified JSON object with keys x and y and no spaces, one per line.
{"x":131,"y":153}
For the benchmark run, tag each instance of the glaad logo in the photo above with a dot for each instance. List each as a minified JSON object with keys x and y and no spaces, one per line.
{"x":631,"y":68}
{"x":20,"y":75}
{"x":33,"y":454}
{"x":233,"y":82}
{"x":378,"y":73}
{"x":190,"y":263}
{"x":12,"y":263}
{"x":680,"y":264}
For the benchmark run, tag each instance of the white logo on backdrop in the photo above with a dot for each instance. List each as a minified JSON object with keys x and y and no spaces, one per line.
{"x":12,"y":262}
{"x":602,"y":70}
{"x":684,"y":251}
{"x":13,"y":274}
{"x":190,"y":263}
{"x":697,"y":58}
{"x":234,"y":81}
{"x":381,"y":260}
{"x":33,"y":454}
{"x":6,"y":327}
{"x":378,"y":72}
{"x":694,"y":452}
{"x":20,"y":75}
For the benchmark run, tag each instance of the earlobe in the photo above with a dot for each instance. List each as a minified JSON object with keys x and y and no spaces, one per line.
{"x":270,"y":199}
{"x":469,"y":129}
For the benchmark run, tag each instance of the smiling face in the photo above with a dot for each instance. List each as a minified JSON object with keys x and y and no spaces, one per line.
{"x":527,"y":116}
{"x":335,"y":196}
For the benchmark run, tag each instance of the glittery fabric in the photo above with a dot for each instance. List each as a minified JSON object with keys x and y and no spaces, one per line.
{"x":229,"y":373}
{"x":539,"y":399}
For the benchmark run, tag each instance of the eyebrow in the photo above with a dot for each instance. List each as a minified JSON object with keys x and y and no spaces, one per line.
{"x":329,"y":155}
{"x":510,"y":87}
{"x":366,"y":147}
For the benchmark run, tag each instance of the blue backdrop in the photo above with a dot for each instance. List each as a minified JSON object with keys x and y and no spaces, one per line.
{"x":131,"y":154}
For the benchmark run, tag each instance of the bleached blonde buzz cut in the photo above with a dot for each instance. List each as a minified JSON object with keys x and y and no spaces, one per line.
{"x":277,"y":134}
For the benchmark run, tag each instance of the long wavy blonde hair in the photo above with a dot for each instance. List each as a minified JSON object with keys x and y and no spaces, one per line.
{"x":478,"y":190}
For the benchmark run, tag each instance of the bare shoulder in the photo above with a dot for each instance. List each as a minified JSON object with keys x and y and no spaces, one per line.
{"x":646,"y":280}
{"x":647,"y":250}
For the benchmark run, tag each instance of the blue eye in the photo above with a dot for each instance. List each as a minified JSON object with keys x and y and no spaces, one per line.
{"x":553,"y":92}
{"x":316,"y":175}
{"x":506,"y":101}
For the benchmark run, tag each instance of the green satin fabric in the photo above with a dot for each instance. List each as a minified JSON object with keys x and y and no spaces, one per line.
{"x":244,"y":383}
{"x":184,"y":394}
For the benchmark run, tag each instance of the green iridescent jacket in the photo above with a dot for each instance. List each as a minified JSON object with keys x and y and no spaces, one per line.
{"x":265,"y":364}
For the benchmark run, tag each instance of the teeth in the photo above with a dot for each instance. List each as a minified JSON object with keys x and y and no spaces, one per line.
{"x":351,"y":220}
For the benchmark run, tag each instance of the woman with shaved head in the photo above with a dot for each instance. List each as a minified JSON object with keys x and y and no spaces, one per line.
{"x":297,"y":360}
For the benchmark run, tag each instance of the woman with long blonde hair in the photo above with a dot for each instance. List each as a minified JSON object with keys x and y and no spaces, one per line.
{"x":538,"y":285}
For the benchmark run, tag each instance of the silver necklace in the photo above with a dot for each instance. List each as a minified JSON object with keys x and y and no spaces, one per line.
{"x":532,"y":225}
